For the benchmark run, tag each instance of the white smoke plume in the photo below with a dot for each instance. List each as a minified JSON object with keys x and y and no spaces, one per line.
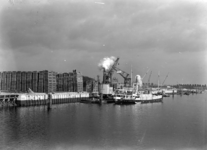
{"x":107,"y":62}
{"x":138,"y":80}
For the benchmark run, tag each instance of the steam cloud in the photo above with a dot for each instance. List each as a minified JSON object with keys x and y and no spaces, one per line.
{"x":106,"y":63}
{"x":138,"y":80}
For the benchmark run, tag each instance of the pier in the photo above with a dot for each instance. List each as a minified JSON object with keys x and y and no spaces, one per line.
{"x":37,"y":99}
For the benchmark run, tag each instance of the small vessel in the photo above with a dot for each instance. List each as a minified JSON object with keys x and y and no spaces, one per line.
{"x":169,"y":91}
{"x":149,"y":98}
{"x":108,"y":98}
{"x":124,"y":99}
{"x":156,"y":91}
{"x":137,"y":95}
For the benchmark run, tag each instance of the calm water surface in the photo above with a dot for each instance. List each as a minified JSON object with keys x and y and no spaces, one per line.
{"x":180,"y":122}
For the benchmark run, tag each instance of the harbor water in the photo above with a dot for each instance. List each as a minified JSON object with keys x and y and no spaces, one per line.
{"x":178,"y":123}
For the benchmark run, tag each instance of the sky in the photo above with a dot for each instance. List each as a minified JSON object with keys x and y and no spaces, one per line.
{"x":162,"y":36}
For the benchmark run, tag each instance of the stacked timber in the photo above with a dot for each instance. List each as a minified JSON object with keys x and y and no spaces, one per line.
{"x":23,"y":81}
{"x":8,"y":81}
{"x":78,"y":80}
{"x":70,"y":82}
{"x":89,"y":84}
{"x":35,"y":81}
{"x":74,"y":81}
{"x":95,"y":86}
{"x":60,"y":82}
{"x":79,"y":83}
{"x":50,"y":83}
{"x":40,"y":81}
{"x":29,"y":80}
{"x":3,"y":81}
{"x":65,"y":82}
{"x":13,"y":81}
{"x":18,"y":81}
{"x":0,"y":80}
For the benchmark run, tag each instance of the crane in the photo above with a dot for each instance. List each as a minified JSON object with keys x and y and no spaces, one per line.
{"x":145,"y":75}
{"x":165,"y":79}
{"x":107,"y":75}
{"x":158,"y":81}
{"x":125,"y":75}
{"x":115,"y":79}
{"x":149,"y":78}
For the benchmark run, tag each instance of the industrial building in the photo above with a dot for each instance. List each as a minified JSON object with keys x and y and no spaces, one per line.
{"x":46,"y":81}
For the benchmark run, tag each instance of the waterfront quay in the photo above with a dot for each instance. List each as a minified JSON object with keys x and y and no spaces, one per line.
{"x":31,"y":88}
{"x":35,"y":99}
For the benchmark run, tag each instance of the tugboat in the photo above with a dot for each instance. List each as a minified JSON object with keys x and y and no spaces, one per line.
{"x":124,"y":99}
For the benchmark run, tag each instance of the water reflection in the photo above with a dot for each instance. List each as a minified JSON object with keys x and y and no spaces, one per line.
{"x":177,"y":123}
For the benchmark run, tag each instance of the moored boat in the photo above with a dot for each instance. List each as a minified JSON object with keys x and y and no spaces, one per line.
{"x":124,"y":99}
{"x":149,"y":98}
{"x":169,"y":91}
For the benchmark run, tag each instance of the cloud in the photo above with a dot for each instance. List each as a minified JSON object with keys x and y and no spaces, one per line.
{"x":120,"y":25}
{"x":77,"y":29}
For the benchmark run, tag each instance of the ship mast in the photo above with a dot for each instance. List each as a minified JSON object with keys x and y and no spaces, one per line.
{"x":131,"y":75}
{"x":158,"y":79}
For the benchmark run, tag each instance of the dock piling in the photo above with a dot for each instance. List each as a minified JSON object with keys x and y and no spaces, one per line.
{"x":49,"y":101}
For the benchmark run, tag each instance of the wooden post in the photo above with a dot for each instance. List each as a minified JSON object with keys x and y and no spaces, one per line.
{"x":101,"y":97}
{"x":99,"y":89}
{"x":49,"y":101}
